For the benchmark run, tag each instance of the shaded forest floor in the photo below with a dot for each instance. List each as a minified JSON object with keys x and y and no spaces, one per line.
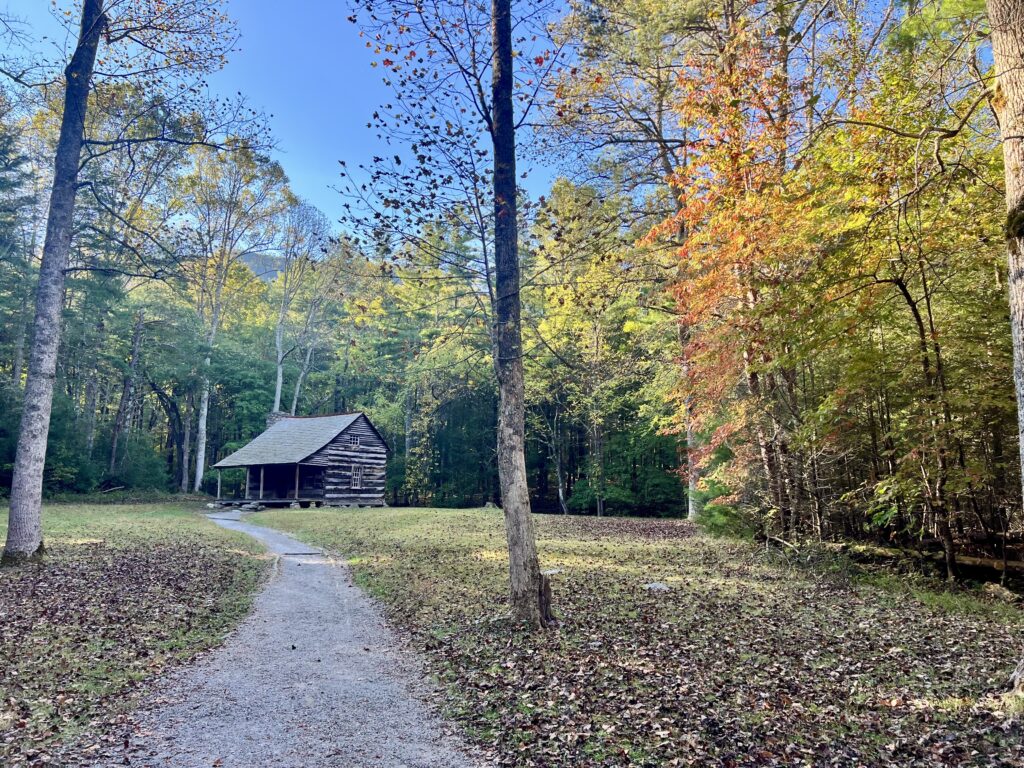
{"x":124,"y":592}
{"x":743,"y":660}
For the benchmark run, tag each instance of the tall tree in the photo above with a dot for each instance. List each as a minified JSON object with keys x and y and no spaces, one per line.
{"x":524,"y":570}
{"x":1007,"y":19}
{"x":231,"y":201}
{"x":144,"y":39}
{"x":305,"y":241}
{"x":462,"y":93}
{"x":24,"y":533}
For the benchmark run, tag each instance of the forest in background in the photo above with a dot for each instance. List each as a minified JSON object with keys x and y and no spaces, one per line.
{"x":770,"y":281}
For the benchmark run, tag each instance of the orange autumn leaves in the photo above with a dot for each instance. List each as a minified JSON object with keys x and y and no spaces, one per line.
{"x":735,"y":220}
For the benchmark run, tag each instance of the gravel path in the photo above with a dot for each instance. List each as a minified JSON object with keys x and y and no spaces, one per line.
{"x":313,"y":678}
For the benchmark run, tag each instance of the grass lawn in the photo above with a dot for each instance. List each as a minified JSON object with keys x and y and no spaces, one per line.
{"x":745,"y":660}
{"x":124,"y":591}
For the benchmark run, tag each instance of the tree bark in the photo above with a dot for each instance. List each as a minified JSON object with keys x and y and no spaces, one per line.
{"x":524,"y":569}
{"x":24,"y":533}
{"x":18,"y":356}
{"x":186,"y":444}
{"x":1007,"y":19}
{"x":307,"y":364}
{"x":127,"y":389}
{"x":204,"y":414}
{"x":279,"y":350}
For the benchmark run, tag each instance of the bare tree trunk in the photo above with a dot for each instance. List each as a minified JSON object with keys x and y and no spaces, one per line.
{"x":692,"y":474}
{"x":307,"y":364}
{"x":1007,"y":19}
{"x":89,"y":413}
{"x":279,"y":349}
{"x":186,"y":447}
{"x":597,"y":436}
{"x":18,"y":358}
{"x":204,"y":413}
{"x":527,"y":591}
{"x":127,"y":388}
{"x":24,"y":532}
{"x":556,"y":457}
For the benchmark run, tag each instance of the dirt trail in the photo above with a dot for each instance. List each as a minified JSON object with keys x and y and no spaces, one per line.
{"x":313,"y":678}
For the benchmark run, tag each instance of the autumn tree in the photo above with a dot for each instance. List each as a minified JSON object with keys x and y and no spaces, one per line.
{"x":461,"y":95}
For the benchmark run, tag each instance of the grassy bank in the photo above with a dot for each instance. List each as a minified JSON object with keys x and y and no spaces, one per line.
{"x":741,"y":661}
{"x":124,"y":592}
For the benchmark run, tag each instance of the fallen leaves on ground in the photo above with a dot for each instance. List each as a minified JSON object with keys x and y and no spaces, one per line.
{"x":742,"y":661}
{"x":122,"y":593}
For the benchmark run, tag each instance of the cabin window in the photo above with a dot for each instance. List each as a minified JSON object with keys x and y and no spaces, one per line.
{"x":352,"y":441}
{"x":357,"y":475}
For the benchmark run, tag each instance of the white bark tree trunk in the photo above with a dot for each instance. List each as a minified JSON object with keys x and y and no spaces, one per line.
{"x":307,"y":364}
{"x":279,"y":348}
{"x":186,"y":447}
{"x":1007,"y":18}
{"x":693,"y":477}
{"x":24,"y":532}
{"x":204,"y":412}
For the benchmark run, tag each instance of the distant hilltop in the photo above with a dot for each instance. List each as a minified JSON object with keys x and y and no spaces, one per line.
{"x":264,"y":265}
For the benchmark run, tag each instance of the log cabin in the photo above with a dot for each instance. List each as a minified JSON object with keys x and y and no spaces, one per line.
{"x":337,"y":461}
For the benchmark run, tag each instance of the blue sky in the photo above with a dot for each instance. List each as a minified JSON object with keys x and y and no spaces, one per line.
{"x":299,"y":61}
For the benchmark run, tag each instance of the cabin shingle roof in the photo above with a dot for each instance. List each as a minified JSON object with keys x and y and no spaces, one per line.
{"x":290,"y":440}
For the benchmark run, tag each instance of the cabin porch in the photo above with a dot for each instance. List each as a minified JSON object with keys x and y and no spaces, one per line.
{"x":283,"y":483}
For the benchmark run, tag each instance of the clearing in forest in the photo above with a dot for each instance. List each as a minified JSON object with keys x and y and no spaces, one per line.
{"x":745,"y":659}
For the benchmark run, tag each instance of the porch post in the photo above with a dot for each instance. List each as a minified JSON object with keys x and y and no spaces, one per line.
{"x":296,"y":482}
{"x":218,"y":485}
{"x":261,"y":482}
{"x":245,"y":494}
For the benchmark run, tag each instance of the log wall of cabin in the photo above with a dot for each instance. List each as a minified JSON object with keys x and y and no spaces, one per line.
{"x":339,"y":457}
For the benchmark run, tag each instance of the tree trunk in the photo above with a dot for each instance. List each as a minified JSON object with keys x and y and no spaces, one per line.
{"x":692,"y":474}
{"x":24,"y":533}
{"x":598,"y":464}
{"x":186,"y":446}
{"x":279,"y":349}
{"x":204,"y":413}
{"x":524,"y":569}
{"x":307,"y":364}
{"x":18,"y":356}
{"x":127,"y":388}
{"x":1007,"y":19}
{"x":556,"y":457}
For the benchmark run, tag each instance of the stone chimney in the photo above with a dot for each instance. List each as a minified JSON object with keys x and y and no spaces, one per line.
{"x":275,"y":416}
